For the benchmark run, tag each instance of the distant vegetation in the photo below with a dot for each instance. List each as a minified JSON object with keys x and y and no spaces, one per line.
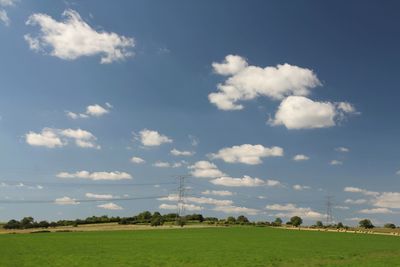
{"x":157,"y":219}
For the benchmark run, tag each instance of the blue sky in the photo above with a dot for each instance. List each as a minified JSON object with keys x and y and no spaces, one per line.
{"x":241,"y":88}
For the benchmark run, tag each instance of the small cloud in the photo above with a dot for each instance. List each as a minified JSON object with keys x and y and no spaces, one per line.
{"x":342,"y":149}
{"x":376,"y":211}
{"x":335,"y":162}
{"x":110,"y":206}
{"x":137,"y":160}
{"x":300,"y":157}
{"x":301,"y":187}
{"x":94,"y":110}
{"x":162,"y":164}
{"x":99,"y":196}
{"x":355,"y":201}
{"x":66,"y":201}
{"x":96,"y":176}
{"x":176,"y":152}
{"x":152,"y":138}
{"x":246,"y":181}
{"x":205,"y":169}
{"x":247,"y":154}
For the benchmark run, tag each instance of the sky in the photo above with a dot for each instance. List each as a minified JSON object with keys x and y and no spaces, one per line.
{"x":268,"y":108}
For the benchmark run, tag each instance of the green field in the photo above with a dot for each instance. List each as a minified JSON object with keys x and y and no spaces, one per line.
{"x":230,"y":246}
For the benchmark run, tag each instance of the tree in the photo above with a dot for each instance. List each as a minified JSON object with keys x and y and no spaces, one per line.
{"x":157,"y":220}
{"x":277,"y":222}
{"x":390,"y":225}
{"x":44,"y":224}
{"x":12,"y":224}
{"x":180,"y":221}
{"x":144,"y":216}
{"x":319,"y":224}
{"x":231,"y":220}
{"x":340,"y":225}
{"x":296,"y":221}
{"x":27,"y":222}
{"x":242,"y":219}
{"x":367,"y":224}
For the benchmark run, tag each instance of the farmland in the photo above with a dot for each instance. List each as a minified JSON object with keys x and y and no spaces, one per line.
{"x":211,"y":246}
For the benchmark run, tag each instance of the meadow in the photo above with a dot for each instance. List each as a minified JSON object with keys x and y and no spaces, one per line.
{"x":213,"y":246}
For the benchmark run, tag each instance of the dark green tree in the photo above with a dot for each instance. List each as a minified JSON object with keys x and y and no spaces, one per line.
{"x":242,"y":219}
{"x":367,"y":224}
{"x":156,"y":220}
{"x":390,"y":225}
{"x":296,"y":221}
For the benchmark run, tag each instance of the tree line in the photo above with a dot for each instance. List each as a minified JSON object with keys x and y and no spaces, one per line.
{"x":158,"y":219}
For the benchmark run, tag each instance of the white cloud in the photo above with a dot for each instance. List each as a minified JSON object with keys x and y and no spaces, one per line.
{"x":236,"y":210}
{"x":176,"y":152}
{"x":300,"y":157}
{"x":3,"y":13}
{"x":205,"y":169}
{"x":388,"y":200}
{"x":73,"y":38}
{"x":342,"y":149}
{"x":52,"y":138}
{"x":376,"y":211}
{"x":347,"y":108}
{"x":351,"y":189}
{"x":96,"y":176}
{"x":8,"y":2}
{"x":4,"y":17}
{"x":137,"y":160}
{"x":246,"y":181}
{"x":66,"y":201}
{"x":99,"y":196}
{"x":217,"y":193}
{"x":249,"y":82}
{"x":48,"y":138}
{"x":247,"y":154}
{"x":289,"y":210}
{"x":355,"y":201}
{"x":161,"y":164}
{"x":272,"y":183}
{"x":110,"y":206}
{"x":94,"y":110}
{"x":188,"y":207}
{"x":210,"y":201}
{"x":398,"y":172}
{"x":335,"y":162}
{"x":198,"y":200}
{"x":82,"y":138}
{"x":300,"y":187}
{"x":153,"y":138}
{"x":299,"y":112}
{"x":231,"y":65}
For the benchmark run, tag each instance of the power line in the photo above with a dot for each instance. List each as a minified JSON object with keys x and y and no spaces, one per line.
{"x":32,"y":183}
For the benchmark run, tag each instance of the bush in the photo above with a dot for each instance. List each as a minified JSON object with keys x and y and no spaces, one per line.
{"x":390,"y":225}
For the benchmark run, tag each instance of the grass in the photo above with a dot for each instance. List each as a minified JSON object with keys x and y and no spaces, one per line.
{"x":219,"y":246}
